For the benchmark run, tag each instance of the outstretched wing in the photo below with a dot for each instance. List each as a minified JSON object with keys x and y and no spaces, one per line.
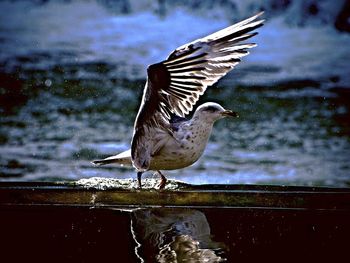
{"x":175,"y":85}
{"x":178,"y":82}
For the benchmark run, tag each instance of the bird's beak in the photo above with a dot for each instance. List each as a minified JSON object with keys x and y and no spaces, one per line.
{"x":229,"y":113}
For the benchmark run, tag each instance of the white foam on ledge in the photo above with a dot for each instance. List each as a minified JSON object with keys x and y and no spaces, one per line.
{"x":101,"y":183}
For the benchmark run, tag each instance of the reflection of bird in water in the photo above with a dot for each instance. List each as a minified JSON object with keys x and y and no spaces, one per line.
{"x":163,"y":139}
{"x":174,"y":235}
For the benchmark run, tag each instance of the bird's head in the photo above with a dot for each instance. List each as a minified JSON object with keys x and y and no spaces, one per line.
{"x":212,"y":111}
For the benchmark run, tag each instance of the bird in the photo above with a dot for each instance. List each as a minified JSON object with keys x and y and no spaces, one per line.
{"x":163,"y":137}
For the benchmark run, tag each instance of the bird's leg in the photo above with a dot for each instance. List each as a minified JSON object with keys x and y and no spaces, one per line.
{"x":162,"y":180}
{"x":139,"y":174}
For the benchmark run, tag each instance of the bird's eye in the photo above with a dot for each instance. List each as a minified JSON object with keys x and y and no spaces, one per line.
{"x":211,"y":109}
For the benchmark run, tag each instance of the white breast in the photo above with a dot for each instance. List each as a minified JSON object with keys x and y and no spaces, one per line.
{"x":187,"y":146}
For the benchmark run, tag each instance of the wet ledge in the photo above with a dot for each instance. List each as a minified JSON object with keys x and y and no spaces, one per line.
{"x":124,"y":194}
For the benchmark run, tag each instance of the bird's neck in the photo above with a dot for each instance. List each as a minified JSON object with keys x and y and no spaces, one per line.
{"x":203,"y":125}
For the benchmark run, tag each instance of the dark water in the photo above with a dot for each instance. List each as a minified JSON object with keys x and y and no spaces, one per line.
{"x":69,"y":95}
{"x":73,"y":234}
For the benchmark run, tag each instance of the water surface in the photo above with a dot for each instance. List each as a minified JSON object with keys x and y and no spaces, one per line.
{"x":70,"y":95}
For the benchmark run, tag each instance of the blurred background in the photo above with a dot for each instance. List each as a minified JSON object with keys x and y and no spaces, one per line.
{"x":72,"y":75}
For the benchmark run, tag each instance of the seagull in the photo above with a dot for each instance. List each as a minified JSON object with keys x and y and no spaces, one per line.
{"x":163,"y":139}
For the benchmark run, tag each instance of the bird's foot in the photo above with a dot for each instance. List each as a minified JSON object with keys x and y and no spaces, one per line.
{"x":163,"y":181}
{"x":139,"y":174}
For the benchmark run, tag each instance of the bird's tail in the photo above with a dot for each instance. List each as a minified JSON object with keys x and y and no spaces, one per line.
{"x":123,"y":159}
